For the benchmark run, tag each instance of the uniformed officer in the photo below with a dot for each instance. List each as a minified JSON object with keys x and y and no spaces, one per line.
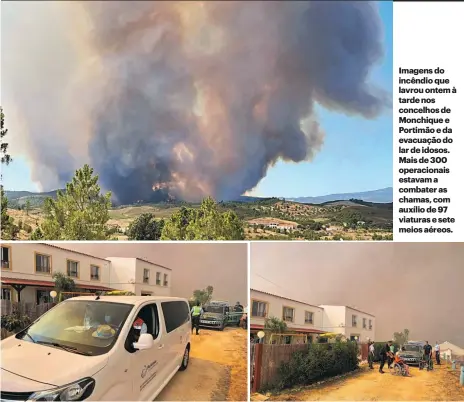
{"x":196,"y":312}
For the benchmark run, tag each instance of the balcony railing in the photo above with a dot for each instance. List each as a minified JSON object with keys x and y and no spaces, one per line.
{"x":6,"y":264}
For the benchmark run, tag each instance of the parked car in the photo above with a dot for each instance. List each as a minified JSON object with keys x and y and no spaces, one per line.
{"x":218,"y":314}
{"x":413,"y":352}
{"x":88,"y":348}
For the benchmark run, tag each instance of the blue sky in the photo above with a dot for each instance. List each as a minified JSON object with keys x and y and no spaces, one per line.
{"x":357,"y":154}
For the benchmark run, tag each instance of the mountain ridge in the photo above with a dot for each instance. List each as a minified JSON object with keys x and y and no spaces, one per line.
{"x":383,"y":195}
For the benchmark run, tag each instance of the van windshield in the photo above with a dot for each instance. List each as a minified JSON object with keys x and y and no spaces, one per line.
{"x":80,"y":326}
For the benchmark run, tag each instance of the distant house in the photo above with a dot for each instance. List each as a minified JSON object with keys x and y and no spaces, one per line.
{"x":273,"y":224}
{"x":450,"y":351}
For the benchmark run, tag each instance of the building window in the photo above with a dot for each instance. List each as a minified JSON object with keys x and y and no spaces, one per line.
{"x":43,"y":296}
{"x":145,"y":294}
{"x":309,"y":317}
{"x":354,"y":321}
{"x":158,"y":278}
{"x":364,"y":323}
{"x":288,"y":314}
{"x":43,"y":264}
{"x":165,"y":282}
{"x":6,"y":257}
{"x":72,"y":268}
{"x":146,"y":275}
{"x":370,"y":324}
{"x":258,"y":309}
{"x":6,"y":294}
{"x":95,"y":272}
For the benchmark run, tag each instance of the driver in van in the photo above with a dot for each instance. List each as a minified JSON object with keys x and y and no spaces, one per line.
{"x":139,"y":328}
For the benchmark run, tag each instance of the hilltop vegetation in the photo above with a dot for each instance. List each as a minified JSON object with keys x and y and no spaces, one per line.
{"x":354,"y":219}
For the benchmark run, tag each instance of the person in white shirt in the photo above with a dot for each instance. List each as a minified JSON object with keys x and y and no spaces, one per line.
{"x":437,"y":352}
{"x":370,"y":355}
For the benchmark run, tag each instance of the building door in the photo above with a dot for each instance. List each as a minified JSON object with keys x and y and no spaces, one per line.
{"x":6,"y":294}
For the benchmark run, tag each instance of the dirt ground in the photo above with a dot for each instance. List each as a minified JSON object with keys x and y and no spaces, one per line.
{"x":441,"y":384}
{"x":217,"y":370}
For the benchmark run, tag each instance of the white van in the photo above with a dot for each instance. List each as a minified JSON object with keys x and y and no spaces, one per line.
{"x":93,"y":348}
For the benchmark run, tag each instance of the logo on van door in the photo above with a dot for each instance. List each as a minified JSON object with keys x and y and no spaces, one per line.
{"x":147,"y":368}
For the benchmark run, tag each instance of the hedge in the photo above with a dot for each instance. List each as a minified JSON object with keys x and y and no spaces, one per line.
{"x":318,"y":362}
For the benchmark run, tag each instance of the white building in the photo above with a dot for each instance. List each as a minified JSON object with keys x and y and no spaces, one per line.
{"x":354,"y":324}
{"x":299,"y":316}
{"x":304,"y":318}
{"x":139,"y":276}
{"x":27,"y":272}
{"x":449,"y":351}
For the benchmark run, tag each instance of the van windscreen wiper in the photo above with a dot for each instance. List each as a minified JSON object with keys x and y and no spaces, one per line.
{"x":64,"y":347}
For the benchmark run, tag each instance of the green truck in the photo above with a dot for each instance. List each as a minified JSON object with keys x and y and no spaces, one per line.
{"x":219,"y":314}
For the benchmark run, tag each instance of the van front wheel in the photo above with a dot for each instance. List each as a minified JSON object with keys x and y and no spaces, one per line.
{"x":185,"y":359}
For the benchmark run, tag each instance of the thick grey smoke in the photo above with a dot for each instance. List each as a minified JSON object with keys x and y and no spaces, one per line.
{"x":195,"y":98}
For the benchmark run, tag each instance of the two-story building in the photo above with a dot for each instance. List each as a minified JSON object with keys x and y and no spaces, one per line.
{"x":304,"y":318}
{"x":351,"y":322}
{"x":300,"y":317}
{"x":27,"y":271}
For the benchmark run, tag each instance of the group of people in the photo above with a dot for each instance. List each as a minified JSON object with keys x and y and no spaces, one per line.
{"x":388,"y":355}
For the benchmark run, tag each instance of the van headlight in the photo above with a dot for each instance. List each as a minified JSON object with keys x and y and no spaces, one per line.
{"x":76,"y":391}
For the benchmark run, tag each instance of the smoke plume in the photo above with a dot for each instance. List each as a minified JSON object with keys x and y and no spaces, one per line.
{"x":191,"y":98}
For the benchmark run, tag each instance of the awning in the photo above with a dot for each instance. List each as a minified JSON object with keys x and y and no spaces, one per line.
{"x":290,"y":329}
{"x":49,"y":284}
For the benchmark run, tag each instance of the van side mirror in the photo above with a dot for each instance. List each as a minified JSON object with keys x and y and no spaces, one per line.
{"x":145,"y":342}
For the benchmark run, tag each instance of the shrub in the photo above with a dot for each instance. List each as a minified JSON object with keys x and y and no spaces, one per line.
{"x":15,"y":322}
{"x":319,"y":361}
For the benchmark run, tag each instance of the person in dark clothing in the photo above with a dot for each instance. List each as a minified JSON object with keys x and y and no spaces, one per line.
{"x":385,"y":354}
{"x":437,"y":352}
{"x":428,"y":354}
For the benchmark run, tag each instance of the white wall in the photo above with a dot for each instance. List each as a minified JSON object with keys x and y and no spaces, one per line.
{"x":122,"y":274}
{"x":275,"y":306}
{"x":127,"y":274}
{"x":334,"y":318}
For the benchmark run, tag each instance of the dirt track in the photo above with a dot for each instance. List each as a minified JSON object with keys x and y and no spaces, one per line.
{"x":369,"y":385}
{"x":217,"y":370}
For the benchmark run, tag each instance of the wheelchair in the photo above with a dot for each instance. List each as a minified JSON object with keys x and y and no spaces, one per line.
{"x":399,"y":369}
{"x":426,"y":364}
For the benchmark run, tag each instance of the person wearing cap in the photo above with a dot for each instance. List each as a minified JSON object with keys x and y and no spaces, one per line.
{"x":196,"y":313}
{"x":139,"y":328}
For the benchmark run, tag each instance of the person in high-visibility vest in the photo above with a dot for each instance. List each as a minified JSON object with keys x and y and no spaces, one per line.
{"x":196,"y":312}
